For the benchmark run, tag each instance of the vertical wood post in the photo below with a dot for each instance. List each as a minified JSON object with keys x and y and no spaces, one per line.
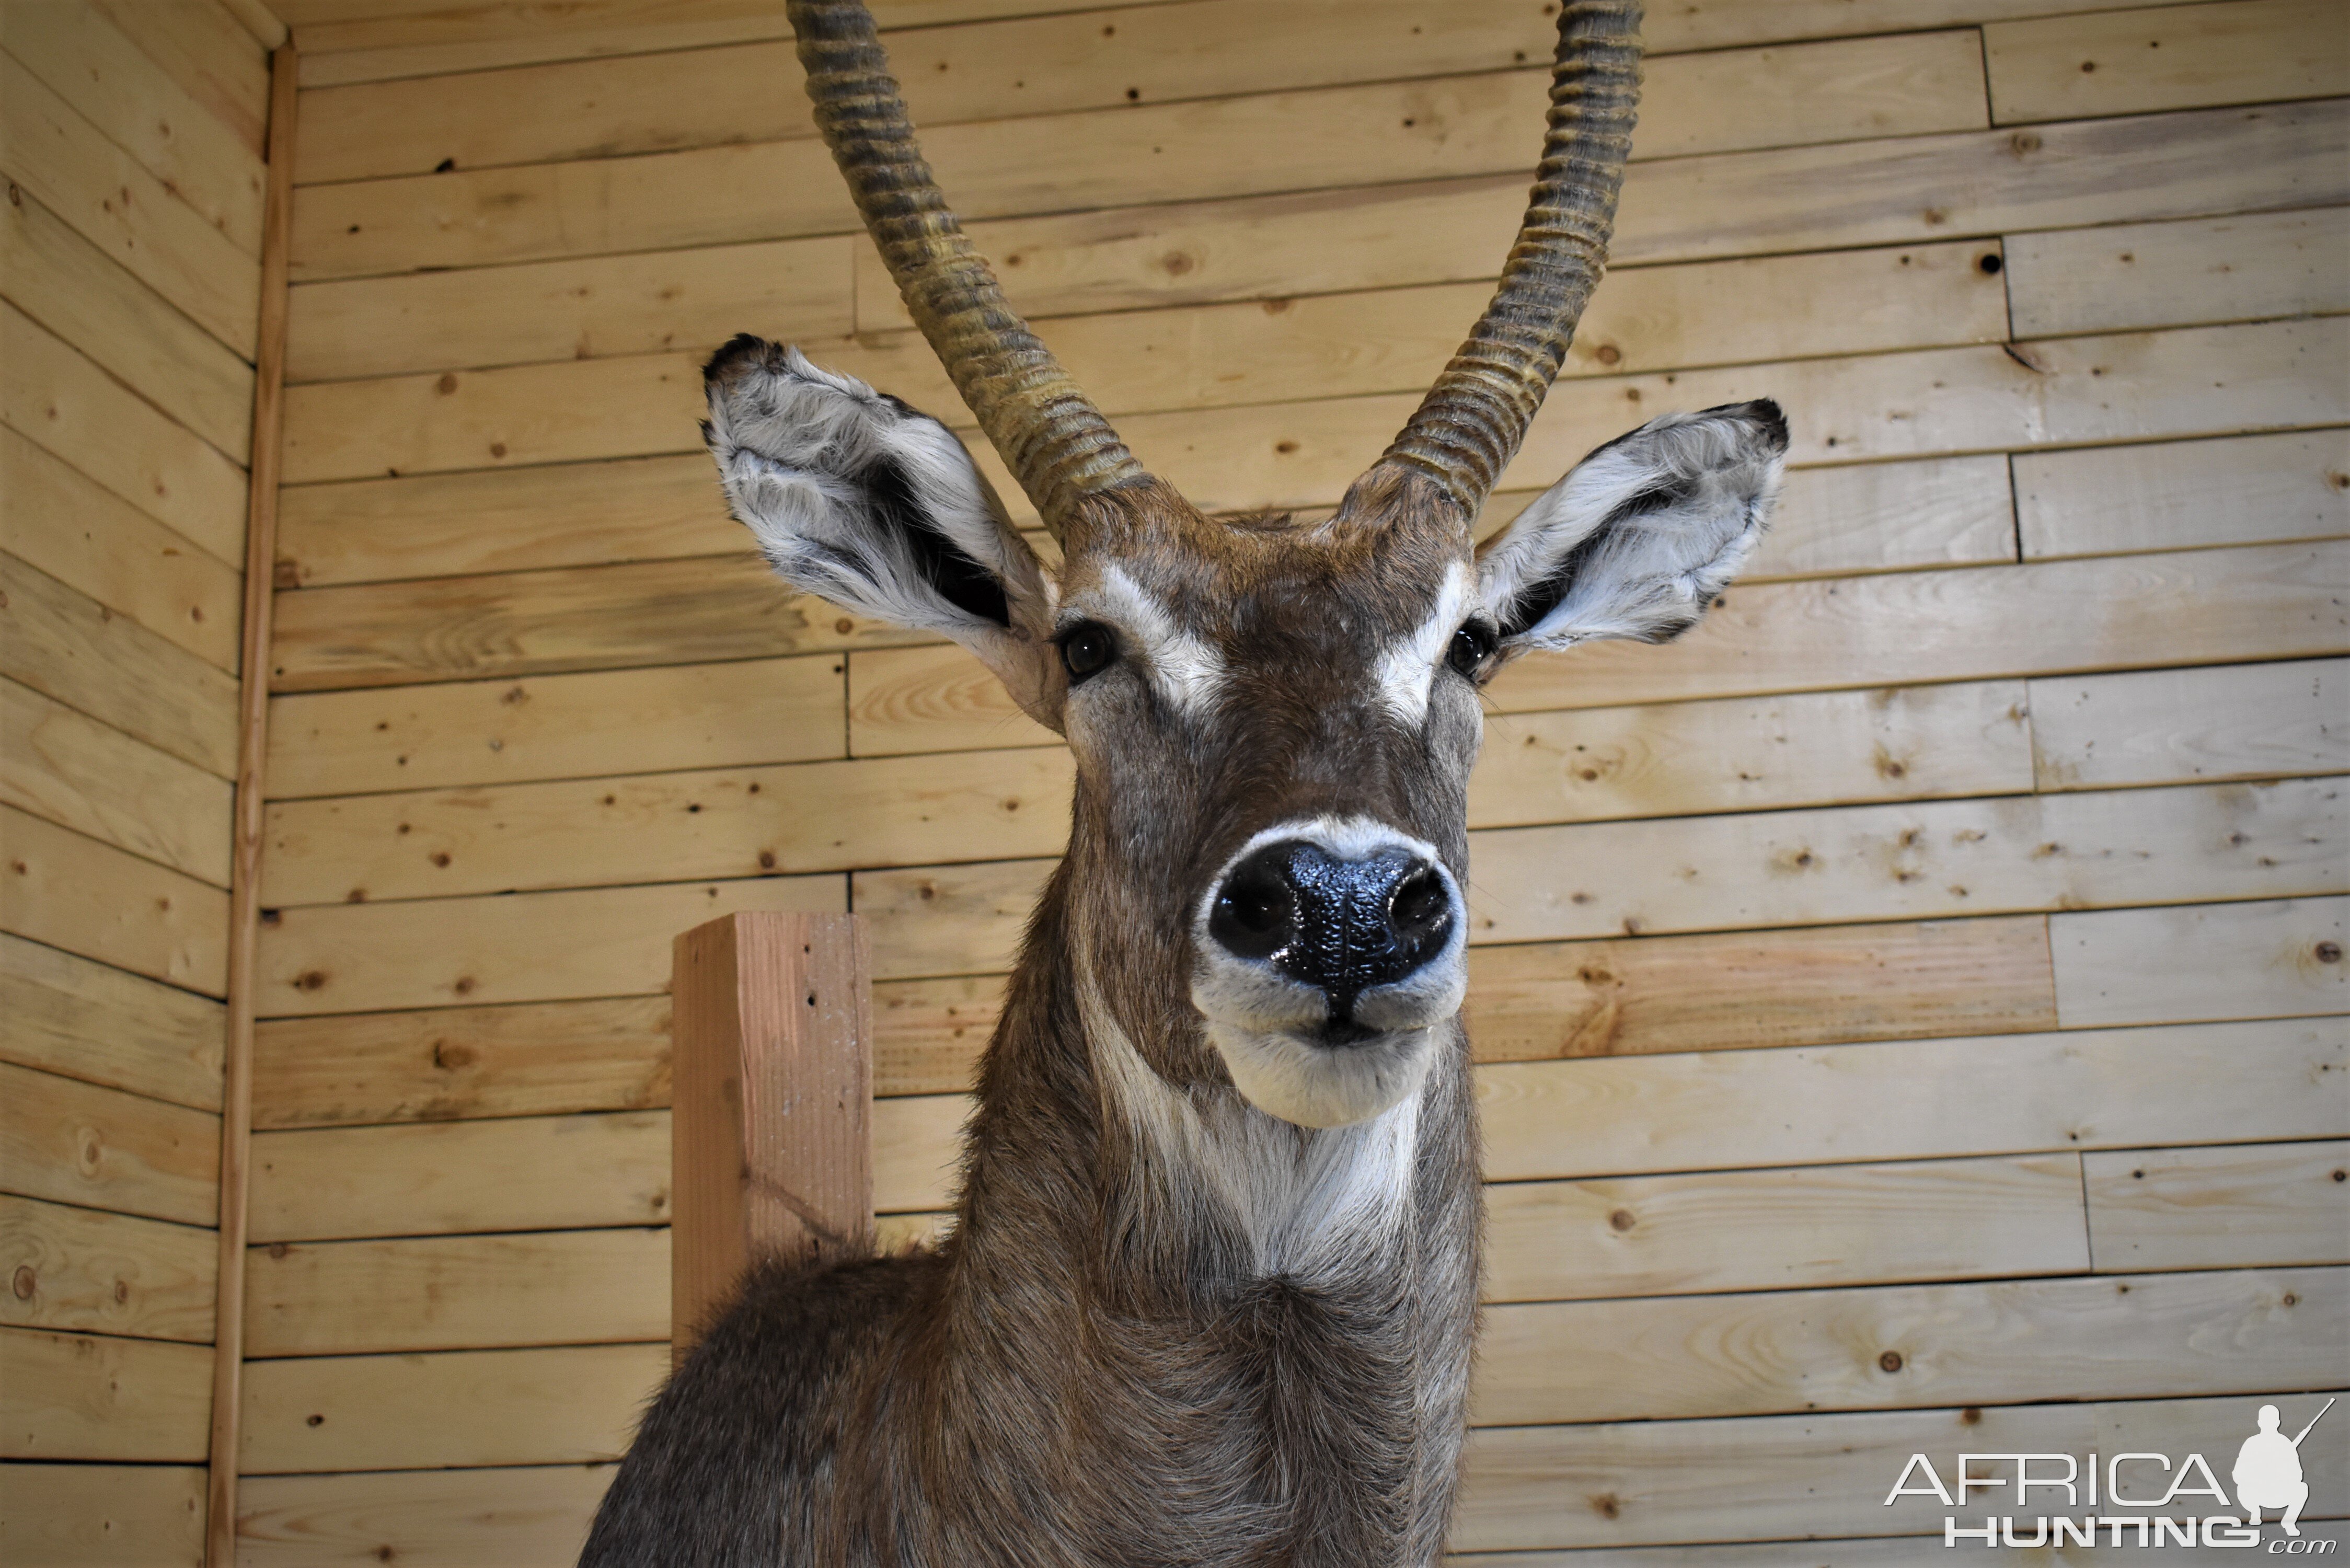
{"x":772,"y":1074}
{"x":245,"y":871}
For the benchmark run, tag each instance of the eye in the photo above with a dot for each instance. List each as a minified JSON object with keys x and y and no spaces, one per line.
{"x":1087,"y":651}
{"x":1472,"y":645}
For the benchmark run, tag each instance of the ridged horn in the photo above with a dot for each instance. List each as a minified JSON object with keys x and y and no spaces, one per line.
{"x":1469,"y":426}
{"x":1056,"y":442}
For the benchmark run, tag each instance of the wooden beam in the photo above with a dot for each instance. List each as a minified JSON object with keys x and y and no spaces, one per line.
{"x":252,"y":755}
{"x":772,"y":1153}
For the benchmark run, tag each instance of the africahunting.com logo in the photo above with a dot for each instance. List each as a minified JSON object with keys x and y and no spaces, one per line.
{"x":2130,"y":1498}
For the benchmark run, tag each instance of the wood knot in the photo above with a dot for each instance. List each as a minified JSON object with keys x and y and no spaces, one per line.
{"x":1622,"y":1220}
{"x":27,"y":1281}
{"x":1890,"y":1361}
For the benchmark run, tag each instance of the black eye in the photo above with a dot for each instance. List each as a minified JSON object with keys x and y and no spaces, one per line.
{"x":1472,"y":645}
{"x":1087,"y":649}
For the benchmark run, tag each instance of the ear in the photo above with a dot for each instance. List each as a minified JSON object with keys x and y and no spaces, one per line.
{"x":1642,"y":535}
{"x":863,"y":501}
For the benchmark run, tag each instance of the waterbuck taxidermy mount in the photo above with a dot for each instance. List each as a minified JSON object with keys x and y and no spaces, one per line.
{"x":1212,"y":1291}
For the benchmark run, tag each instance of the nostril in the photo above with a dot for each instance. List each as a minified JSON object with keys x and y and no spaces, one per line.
{"x":1419,"y":905}
{"x":1255,"y":912}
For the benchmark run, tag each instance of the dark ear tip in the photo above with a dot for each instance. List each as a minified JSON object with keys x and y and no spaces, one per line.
{"x":742,"y":349}
{"x":1767,"y":413}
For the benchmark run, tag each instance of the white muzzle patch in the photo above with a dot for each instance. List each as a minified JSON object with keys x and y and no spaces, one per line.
{"x":1272,"y":1028}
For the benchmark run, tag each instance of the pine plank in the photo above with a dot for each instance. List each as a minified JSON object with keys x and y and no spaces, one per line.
{"x":1706,"y":313}
{"x":2281,"y":959}
{"x":1550,"y":999}
{"x":1750,"y":755}
{"x":1845,"y":1224}
{"x":580,"y":515}
{"x":557,"y":726}
{"x":1920,"y":1099}
{"x":78,"y":533}
{"x":2220,"y":1209}
{"x":1657,"y":1482}
{"x":81,"y":1270}
{"x":1910,"y":85}
{"x":89,"y":897}
{"x":937,"y":698}
{"x":2274,"y":601}
{"x":216,"y":61}
{"x":457,"y":1292}
{"x":1906,"y":1346}
{"x":72,"y":1142}
{"x":1799,"y":987}
{"x":77,"y":1397}
{"x":2236,"y":490}
{"x":1612,"y":1119}
{"x":573,"y":1405}
{"x":1904,"y":191}
{"x":70,"y":167}
{"x":75,"y":651}
{"x":2179,"y":273}
{"x":78,"y":774}
{"x":2166,"y":57}
{"x":799,"y":817}
{"x":444,"y":1063}
{"x":86,"y":297}
{"x":529,"y":947}
{"x":948,"y":920}
{"x":528,"y":1173}
{"x":544,"y":623}
{"x":570,"y":309}
{"x":80,"y":54}
{"x":2165,"y":726}
{"x":69,"y":1015}
{"x":1929,"y":860}
{"x":432,"y":1519}
{"x":103,"y":1516}
{"x":56,"y":398}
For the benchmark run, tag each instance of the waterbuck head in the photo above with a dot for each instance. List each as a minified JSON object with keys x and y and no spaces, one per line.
{"x":1273,"y":720}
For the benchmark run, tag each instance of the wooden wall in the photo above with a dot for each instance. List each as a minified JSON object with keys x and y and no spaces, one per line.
{"x":130,"y":268}
{"x":1910,"y":1001}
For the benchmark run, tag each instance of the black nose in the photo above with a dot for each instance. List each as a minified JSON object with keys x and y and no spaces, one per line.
{"x":1342,"y":925}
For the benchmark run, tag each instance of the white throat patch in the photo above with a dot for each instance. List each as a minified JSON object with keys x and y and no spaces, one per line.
{"x":1309,"y":1199}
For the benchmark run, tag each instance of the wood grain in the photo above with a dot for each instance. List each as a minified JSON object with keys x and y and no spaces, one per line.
{"x":86,"y":297}
{"x":2250,"y":721}
{"x":2165,"y":56}
{"x":528,"y":947}
{"x":70,"y":1142}
{"x":449,"y":1293}
{"x":2274,"y":960}
{"x":571,"y":1405}
{"x":1684,"y":1235}
{"x":455,"y":1062}
{"x":1990,"y":1343}
{"x":556,"y":726}
{"x":530,"y":1173}
{"x":214,"y":60}
{"x":710,"y":823}
{"x":2220,"y":1209}
{"x":1944,"y":1098}
{"x":80,"y":1396}
{"x":2236,"y":490}
{"x":2140,"y":275}
{"x":543,"y":623}
{"x":84,"y":1019}
{"x":96,"y":1516}
{"x":82,"y":1269}
{"x":439,"y":1518}
{"x":89,"y":897}
{"x":81,"y":774}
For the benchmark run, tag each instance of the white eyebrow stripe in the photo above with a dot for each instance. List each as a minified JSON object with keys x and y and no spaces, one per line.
{"x":1407,"y":670}
{"x":1188,"y":671}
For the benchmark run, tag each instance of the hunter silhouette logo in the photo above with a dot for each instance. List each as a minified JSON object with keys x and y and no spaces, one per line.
{"x":2132,"y":1498}
{"x":2267,"y":1471}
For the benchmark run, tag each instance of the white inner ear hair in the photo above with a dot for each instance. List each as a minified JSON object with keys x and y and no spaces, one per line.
{"x":1187,"y":669}
{"x":1406,"y":670}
